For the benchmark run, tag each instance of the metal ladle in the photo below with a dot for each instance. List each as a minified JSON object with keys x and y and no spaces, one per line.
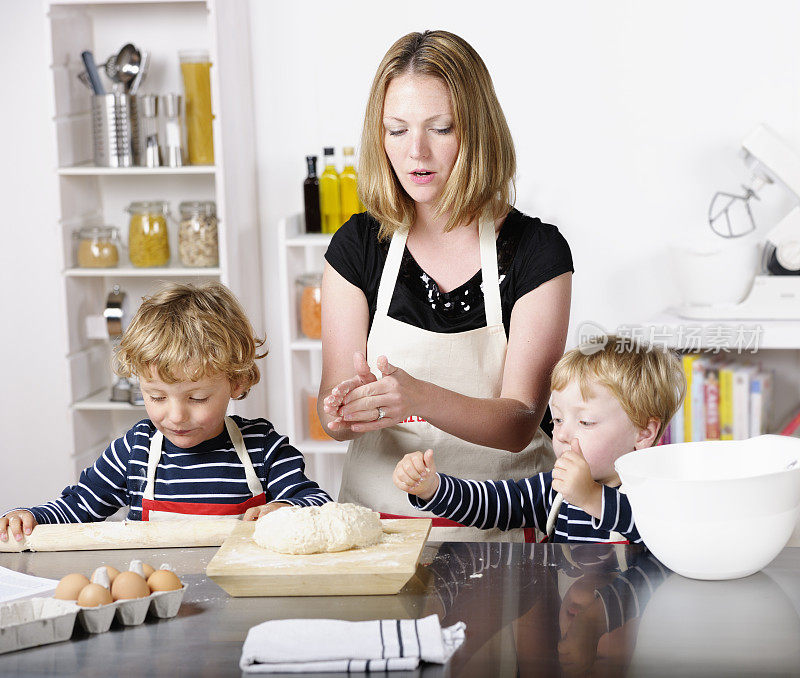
{"x":124,"y":66}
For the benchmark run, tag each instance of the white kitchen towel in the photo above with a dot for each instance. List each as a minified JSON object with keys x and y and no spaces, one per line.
{"x":307,"y":645}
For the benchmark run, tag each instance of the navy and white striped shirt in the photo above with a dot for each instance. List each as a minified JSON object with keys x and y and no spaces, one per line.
{"x":206,"y":473}
{"x":509,"y":504}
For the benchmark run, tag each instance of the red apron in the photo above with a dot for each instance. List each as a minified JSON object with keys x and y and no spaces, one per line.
{"x":153,"y":509}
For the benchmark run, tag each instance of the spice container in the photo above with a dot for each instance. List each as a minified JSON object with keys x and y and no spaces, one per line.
{"x":198,"y":241}
{"x":148,"y":240}
{"x":309,"y":306}
{"x":96,"y":247}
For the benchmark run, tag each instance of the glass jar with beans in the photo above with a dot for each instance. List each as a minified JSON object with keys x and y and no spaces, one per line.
{"x":148,"y":238}
{"x":198,"y":240}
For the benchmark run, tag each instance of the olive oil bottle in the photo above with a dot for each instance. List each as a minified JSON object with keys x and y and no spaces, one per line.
{"x":348,"y":181}
{"x":329,"y":195}
{"x":311,"y":196}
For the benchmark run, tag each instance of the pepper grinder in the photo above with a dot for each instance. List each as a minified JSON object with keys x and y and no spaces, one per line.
{"x":171,"y":105}
{"x":148,"y":131}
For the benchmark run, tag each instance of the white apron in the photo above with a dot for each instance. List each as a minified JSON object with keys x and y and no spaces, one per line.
{"x":153,"y":509}
{"x":470,"y":363}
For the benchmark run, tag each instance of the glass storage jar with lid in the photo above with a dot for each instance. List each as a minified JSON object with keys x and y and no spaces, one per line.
{"x":96,"y":247}
{"x":198,"y":241}
{"x":309,"y":304}
{"x":148,"y":239}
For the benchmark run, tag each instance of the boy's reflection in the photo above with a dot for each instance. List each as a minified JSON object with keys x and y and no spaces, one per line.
{"x":549,"y":609}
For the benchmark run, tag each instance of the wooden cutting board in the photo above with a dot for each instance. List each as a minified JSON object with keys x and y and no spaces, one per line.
{"x":243,"y":568}
{"x":124,"y":535}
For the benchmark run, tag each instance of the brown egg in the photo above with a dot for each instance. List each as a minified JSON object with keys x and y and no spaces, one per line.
{"x":164,"y":580}
{"x":70,"y":586}
{"x":148,"y":570}
{"x":93,"y":595}
{"x":112,"y":572}
{"x":129,"y":585}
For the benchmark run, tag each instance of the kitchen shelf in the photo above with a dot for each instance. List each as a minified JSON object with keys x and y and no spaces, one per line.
{"x":308,"y":446}
{"x":89,"y":195}
{"x":99,"y":402}
{"x":670,"y":329}
{"x":309,"y":240}
{"x":94,"y":171}
{"x":131,"y":272}
{"x":306,"y":345}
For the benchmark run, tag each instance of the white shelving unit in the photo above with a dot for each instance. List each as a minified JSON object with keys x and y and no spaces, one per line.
{"x":90,"y":195}
{"x":302,"y":360}
{"x":775,"y":344}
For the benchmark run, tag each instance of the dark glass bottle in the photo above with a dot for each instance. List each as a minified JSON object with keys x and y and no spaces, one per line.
{"x":311,"y":196}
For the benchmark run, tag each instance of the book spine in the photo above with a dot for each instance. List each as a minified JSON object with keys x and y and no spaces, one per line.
{"x":677,"y":426}
{"x":688,"y":361}
{"x":726,"y":402}
{"x":711,"y":401}
{"x":757,"y":405}
{"x":741,"y":403}
{"x":698,"y":401}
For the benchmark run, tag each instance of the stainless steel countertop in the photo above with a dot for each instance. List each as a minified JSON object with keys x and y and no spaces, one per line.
{"x":527,"y":608}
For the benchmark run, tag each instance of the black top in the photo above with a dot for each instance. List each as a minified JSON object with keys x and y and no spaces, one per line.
{"x":529,"y":253}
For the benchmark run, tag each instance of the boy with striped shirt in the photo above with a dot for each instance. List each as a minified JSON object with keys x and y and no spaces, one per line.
{"x":193,"y":350}
{"x":608,"y":399}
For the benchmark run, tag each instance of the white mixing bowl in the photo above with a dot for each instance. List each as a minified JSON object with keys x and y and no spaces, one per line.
{"x":715,"y":509}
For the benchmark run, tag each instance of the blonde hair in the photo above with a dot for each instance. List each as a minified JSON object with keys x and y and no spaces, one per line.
{"x":482,"y":180}
{"x":648,"y":382}
{"x":188,"y":332}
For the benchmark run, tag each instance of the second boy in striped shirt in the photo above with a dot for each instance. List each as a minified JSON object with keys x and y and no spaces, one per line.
{"x":608,"y":399}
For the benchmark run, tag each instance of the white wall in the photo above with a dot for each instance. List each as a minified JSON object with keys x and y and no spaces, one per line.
{"x":626,"y":118}
{"x":33,"y":391}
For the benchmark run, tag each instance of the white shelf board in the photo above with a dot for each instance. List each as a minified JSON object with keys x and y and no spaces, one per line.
{"x":132,"y":272}
{"x":94,"y":171}
{"x":306,"y":345}
{"x":79,"y":3}
{"x":308,"y":446}
{"x":309,"y":240}
{"x":771,"y":334}
{"x":99,"y":401}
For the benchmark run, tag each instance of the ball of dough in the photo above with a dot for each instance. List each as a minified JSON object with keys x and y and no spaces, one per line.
{"x":318,"y":529}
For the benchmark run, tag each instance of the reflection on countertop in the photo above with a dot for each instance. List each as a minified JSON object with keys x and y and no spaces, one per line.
{"x":530,"y":609}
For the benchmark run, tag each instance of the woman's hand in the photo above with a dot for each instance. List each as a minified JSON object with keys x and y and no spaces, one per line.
{"x":257,"y":511}
{"x":333,"y":403}
{"x":15,"y":523}
{"x":416,"y":474}
{"x":379,"y":403}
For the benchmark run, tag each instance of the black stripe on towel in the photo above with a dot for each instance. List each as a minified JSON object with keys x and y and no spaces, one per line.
{"x":419,"y":645}
{"x":383,"y":646}
{"x":400,"y":638}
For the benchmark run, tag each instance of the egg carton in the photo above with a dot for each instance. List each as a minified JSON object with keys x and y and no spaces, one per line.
{"x":131,"y":612}
{"x":35,"y":621}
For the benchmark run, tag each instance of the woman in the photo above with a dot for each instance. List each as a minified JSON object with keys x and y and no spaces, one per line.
{"x":417,"y":353}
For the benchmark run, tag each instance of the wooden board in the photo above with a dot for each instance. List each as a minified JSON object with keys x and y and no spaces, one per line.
{"x":243,"y":568}
{"x":124,"y":535}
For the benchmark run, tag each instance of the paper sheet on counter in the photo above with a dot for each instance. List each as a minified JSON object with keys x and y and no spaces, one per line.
{"x":15,"y":585}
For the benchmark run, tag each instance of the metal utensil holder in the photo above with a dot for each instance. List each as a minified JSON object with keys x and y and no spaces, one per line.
{"x":115,"y":125}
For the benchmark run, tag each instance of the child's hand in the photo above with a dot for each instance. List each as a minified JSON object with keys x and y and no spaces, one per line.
{"x":416,"y":474}
{"x":257,"y":511}
{"x":573,"y":478}
{"x":16,"y":523}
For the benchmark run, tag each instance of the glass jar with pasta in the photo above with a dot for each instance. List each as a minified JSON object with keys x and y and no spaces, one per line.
{"x":148,"y":236}
{"x":198,"y":241}
{"x":96,"y":247}
{"x":309,"y":304}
